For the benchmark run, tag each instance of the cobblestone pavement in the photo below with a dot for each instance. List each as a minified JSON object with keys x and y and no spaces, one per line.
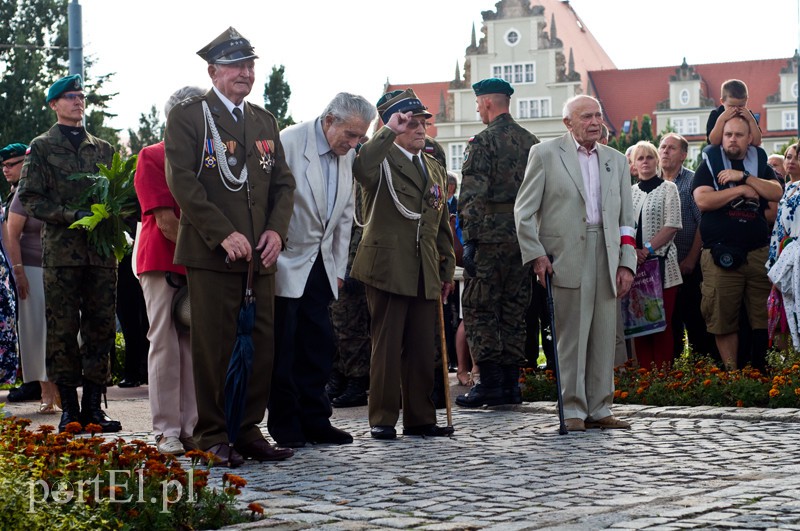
{"x":678,"y":468}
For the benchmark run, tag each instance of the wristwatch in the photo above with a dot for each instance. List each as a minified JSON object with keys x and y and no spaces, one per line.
{"x":649,"y":248}
{"x":745,"y":175}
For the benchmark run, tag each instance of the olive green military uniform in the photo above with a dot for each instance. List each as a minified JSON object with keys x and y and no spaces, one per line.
{"x":403,"y":263}
{"x":210,"y":212}
{"x":80,"y":283}
{"x":496,"y":298}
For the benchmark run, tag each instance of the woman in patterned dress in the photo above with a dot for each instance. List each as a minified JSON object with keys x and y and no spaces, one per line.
{"x":787,"y":228}
{"x":657,"y":210}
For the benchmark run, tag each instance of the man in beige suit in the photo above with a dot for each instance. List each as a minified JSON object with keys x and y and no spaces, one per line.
{"x":569,"y":179}
{"x":406,"y":262}
{"x":311,"y":269}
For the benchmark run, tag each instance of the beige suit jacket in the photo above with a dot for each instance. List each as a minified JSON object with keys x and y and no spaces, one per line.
{"x":310,"y":233}
{"x":550,"y":210}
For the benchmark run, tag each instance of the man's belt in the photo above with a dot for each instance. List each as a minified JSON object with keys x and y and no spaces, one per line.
{"x":499,"y":208}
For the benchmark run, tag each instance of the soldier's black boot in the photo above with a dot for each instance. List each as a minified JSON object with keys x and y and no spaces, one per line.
{"x":336,"y":385}
{"x":487,"y":393}
{"x":91,"y":412}
{"x":512,"y":394}
{"x":438,"y":396}
{"x":355,"y":394}
{"x":70,"y":409}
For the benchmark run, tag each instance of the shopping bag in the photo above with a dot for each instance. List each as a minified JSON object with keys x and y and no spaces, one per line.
{"x":643,"y":306}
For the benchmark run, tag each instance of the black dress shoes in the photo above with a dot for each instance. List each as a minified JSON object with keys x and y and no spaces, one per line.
{"x":261,"y":450}
{"x":126,"y":383}
{"x":223,"y":454}
{"x":26,"y":392}
{"x":429,"y":430}
{"x":329,"y":435}
{"x":383,"y":432}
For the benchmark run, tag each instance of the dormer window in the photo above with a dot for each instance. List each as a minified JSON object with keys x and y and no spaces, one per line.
{"x":512,"y":37}
{"x":684,"y":97}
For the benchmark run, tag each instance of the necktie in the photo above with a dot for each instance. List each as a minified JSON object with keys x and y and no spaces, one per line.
{"x":420,"y":167}
{"x":237,"y":113}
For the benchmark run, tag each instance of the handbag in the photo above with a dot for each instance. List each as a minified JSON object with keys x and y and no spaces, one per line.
{"x":643,"y":307}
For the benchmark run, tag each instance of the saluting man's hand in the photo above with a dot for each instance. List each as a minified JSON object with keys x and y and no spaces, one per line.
{"x":270,"y":244}
{"x":237,"y":246}
{"x":399,"y":122}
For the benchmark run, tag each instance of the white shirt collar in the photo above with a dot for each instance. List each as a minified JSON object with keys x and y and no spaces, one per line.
{"x":578,"y":146}
{"x":228,"y":103}
{"x":408,"y":153}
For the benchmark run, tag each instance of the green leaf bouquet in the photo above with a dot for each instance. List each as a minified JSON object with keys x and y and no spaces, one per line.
{"x":113,"y":201}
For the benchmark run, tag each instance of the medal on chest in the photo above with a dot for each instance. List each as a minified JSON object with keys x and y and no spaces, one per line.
{"x":230,"y":145}
{"x":435,"y":197}
{"x":266,"y":149}
{"x":210,"y":160}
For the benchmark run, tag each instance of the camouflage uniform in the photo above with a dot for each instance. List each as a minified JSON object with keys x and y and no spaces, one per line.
{"x":80,"y":284}
{"x":495,"y":300}
{"x":350,"y":316}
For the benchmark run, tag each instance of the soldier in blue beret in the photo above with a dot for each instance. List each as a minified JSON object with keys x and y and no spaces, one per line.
{"x":78,"y":279}
{"x":497,"y":287}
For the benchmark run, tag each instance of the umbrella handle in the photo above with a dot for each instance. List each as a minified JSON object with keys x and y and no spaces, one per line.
{"x":249,"y":290}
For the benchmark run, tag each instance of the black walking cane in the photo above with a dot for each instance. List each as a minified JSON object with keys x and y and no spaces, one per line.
{"x":562,"y":427}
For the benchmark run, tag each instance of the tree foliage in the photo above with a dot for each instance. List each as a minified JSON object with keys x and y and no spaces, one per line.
{"x":276,"y":97}
{"x":151,"y":131}
{"x":34,"y":54}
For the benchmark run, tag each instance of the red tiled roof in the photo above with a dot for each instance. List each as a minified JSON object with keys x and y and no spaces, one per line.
{"x":430,"y":94}
{"x":629,"y":94}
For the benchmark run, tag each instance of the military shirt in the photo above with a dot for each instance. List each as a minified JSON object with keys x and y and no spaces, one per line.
{"x":47,"y":194}
{"x":493,"y":170}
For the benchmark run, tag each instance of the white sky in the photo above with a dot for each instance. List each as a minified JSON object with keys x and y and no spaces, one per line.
{"x":355,"y":45}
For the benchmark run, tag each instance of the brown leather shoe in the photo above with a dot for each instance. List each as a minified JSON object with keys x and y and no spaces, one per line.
{"x":608,"y":423}
{"x":575,"y":424}
{"x":223,"y":454}
{"x":261,"y":450}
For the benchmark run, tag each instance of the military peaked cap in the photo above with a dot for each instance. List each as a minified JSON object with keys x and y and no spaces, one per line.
{"x":229,"y":47}
{"x":401,"y":101}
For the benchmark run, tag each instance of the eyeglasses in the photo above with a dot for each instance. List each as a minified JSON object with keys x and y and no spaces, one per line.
{"x":74,"y":96}
{"x":9,"y":165}
{"x":414,"y":124}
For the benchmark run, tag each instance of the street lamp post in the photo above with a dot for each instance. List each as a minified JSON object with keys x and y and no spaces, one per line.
{"x":74,"y":21}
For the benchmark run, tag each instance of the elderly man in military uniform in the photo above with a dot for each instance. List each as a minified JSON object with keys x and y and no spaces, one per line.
{"x":497,"y":288}
{"x":406,"y":262}
{"x":226,"y":168}
{"x":80,"y":283}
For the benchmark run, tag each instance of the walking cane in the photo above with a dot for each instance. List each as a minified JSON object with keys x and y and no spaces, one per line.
{"x":445,"y":369}
{"x":562,"y":427}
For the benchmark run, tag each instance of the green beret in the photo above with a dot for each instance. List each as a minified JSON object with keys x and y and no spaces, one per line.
{"x":228,"y":48}
{"x":12,"y":150}
{"x":492,"y":85}
{"x":65,"y":84}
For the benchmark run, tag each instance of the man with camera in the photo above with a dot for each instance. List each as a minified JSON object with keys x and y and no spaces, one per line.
{"x":732,"y":188}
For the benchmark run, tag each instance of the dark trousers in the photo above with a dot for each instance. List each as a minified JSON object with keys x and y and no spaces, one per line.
{"x":537,"y":320}
{"x":687,"y":315}
{"x":132,"y":315}
{"x":304,"y":350}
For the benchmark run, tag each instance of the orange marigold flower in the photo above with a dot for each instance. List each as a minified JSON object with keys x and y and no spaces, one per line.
{"x":740,"y":403}
{"x":256,"y":508}
{"x":797,"y":391}
{"x":642,"y":370}
{"x":46,"y":428}
{"x":617,"y":393}
{"x":93,"y":428}
{"x":233,"y":479}
{"x":640,"y":391}
{"x":795,"y":367}
{"x":774,"y":392}
{"x":73,"y":428}
{"x":232,"y":491}
{"x":707,"y":383}
{"x":624,"y":394}
{"x":195,"y":454}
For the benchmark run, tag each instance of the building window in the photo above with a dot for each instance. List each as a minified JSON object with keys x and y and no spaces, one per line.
{"x":794,"y":90}
{"x":516,"y":72}
{"x":789,"y":120}
{"x":456,"y":156}
{"x":684,"y":97}
{"x":686,"y":126}
{"x":533,"y":108}
{"x":512,"y":37}
{"x":694,"y":152}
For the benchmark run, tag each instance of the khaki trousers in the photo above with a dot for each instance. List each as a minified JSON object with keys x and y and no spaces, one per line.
{"x":402,"y":330}
{"x":586,"y":322}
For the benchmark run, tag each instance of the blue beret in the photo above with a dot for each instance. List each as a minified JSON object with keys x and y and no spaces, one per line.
{"x":65,"y":84}
{"x":12,"y":150}
{"x":228,"y":48}
{"x":401,"y":101}
{"x":492,"y":85}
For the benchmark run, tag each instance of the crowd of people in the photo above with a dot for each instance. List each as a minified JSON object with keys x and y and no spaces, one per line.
{"x":349,"y":247}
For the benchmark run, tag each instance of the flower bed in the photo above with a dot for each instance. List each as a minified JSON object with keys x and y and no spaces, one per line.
{"x":693,"y":381}
{"x":65,"y":481}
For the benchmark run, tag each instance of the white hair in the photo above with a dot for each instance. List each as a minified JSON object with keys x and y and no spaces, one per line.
{"x":566,"y":111}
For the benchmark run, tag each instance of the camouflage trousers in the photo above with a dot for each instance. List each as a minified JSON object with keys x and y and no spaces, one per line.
{"x":494,"y":304}
{"x":80,"y":299}
{"x":350,"y":318}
